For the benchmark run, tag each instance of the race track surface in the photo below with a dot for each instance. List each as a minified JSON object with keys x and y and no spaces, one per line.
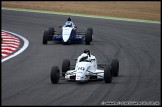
{"x":26,"y":77}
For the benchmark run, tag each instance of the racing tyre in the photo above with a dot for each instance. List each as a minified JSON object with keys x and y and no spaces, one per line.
{"x":88,"y":37}
{"x":55,"y":75}
{"x":51,"y":33}
{"x":45,"y":37}
{"x":91,"y":30}
{"x":65,"y":66}
{"x":107,"y":74}
{"x":115,"y":67}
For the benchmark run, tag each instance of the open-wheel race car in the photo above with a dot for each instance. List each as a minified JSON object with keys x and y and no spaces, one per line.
{"x":86,"y":69}
{"x":68,"y":34}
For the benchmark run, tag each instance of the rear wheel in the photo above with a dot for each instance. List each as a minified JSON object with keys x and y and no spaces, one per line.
{"x":115,"y":67}
{"x":51,"y":32}
{"x":91,"y":30}
{"x":88,"y":37}
{"x":55,"y":75}
{"x":45,"y":37}
{"x":65,"y":66}
{"x":107,"y":74}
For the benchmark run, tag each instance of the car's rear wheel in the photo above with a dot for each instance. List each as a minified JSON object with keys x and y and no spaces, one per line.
{"x":55,"y":75}
{"x":91,"y":30}
{"x":51,"y":32}
{"x":107,"y":74}
{"x":88,"y":37}
{"x":115,"y":67}
{"x":65,"y":66}
{"x":45,"y":36}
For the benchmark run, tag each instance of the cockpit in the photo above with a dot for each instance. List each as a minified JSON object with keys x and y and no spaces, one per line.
{"x":84,"y":59}
{"x":68,"y":24}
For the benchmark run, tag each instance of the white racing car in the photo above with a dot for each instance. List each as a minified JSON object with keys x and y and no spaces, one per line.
{"x":86,"y":68}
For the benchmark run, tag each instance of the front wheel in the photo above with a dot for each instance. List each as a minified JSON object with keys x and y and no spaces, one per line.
{"x":107,"y":74}
{"x":115,"y":67}
{"x":45,"y":37}
{"x":55,"y":75}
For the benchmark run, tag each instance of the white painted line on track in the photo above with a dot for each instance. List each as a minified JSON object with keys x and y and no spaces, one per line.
{"x":26,"y":43}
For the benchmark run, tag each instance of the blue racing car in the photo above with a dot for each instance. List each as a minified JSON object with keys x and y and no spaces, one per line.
{"x":68,"y":34}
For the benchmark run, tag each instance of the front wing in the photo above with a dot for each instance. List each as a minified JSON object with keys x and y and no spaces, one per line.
{"x":76,"y":38}
{"x":97,"y":75}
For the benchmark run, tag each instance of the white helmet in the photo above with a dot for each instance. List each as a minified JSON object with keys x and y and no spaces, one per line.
{"x":87,"y":52}
{"x":84,"y":57}
{"x":68,"y":24}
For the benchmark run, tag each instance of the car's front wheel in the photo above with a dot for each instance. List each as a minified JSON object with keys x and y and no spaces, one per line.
{"x":45,"y":36}
{"x":55,"y":75}
{"x":115,"y":67}
{"x":107,"y":74}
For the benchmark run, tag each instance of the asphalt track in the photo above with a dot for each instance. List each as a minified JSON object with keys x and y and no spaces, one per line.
{"x":26,"y":77}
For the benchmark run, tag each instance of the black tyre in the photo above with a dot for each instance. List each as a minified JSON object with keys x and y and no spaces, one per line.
{"x":107,"y":74}
{"x":45,"y":37}
{"x":91,"y":30}
{"x":88,"y":37}
{"x":115,"y":67}
{"x":65,"y":66}
{"x":55,"y":75}
{"x":51,"y":31}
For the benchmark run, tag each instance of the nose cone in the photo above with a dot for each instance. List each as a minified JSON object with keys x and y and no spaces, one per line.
{"x":66,"y":38}
{"x":66,"y":33}
{"x":79,"y":76}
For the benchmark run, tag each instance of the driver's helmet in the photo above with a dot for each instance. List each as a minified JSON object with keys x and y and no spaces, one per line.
{"x":68,"y":24}
{"x":84,"y":58}
{"x":87,"y":51}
